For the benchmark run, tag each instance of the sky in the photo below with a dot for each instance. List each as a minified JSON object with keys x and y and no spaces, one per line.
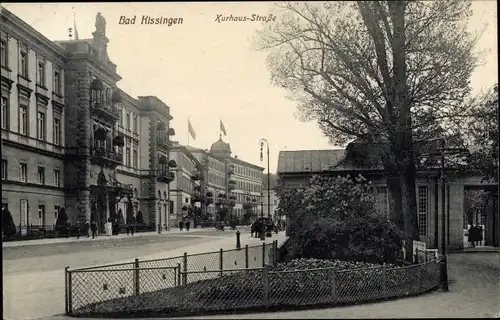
{"x":207,"y":71}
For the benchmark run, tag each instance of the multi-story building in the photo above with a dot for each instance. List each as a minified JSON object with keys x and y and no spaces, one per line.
{"x":246,"y":179}
{"x":214,"y":171}
{"x":270,"y":208}
{"x":93,"y":149}
{"x":188,"y":180}
{"x":33,"y":122}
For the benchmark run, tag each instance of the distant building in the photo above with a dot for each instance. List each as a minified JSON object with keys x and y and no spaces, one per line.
{"x":93,"y":149}
{"x":187,"y":181}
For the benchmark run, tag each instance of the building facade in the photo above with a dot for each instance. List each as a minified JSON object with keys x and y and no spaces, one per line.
{"x":188,"y":181}
{"x":33,"y":123}
{"x":295,"y":168}
{"x":93,"y":149}
{"x":271,"y":209}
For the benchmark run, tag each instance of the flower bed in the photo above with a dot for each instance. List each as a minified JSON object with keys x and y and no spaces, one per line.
{"x":297,"y":283}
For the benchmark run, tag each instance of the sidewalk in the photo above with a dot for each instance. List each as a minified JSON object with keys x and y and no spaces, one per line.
{"x":176,"y":231}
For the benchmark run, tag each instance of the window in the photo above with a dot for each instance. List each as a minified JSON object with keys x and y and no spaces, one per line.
{"x":135,"y":124}
{"x":23,"y":172}
{"x":422,"y":208}
{"x":128,"y":121}
{"x":57,"y":82}
{"x":41,"y":215}
{"x":120,"y":114}
{"x":135,"y":160}
{"x":23,"y":120}
{"x":5,"y":113}
{"x":4,"y":169}
{"x":3,"y":52}
{"x":56,"y":212}
{"x":41,"y":126}
{"x":40,"y":73}
{"x":24,"y":64}
{"x":127,"y":157}
{"x":57,"y":131}
{"x":41,"y":175}
{"x":57,"y":178}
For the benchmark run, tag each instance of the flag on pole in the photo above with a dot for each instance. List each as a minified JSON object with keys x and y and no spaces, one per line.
{"x":222,"y":128}
{"x":76,"y":30}
{"x":191,"y":130}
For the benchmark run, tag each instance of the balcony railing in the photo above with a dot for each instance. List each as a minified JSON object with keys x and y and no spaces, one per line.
{"x":105,"y":157}
{"x":163,"y":141}
{"x":165,"y":176}
{"x":196,"y":175}
{"x":105,"y":111}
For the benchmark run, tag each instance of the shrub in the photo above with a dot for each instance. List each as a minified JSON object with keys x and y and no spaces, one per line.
{"x":62,"y":219}
{"x":8,"y":225}
{"x":338,"y":219}
{"x":139,"y":218}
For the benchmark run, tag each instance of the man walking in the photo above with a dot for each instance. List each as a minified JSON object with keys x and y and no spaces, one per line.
{"x":77,"y":229}
{"x":93,"y":227}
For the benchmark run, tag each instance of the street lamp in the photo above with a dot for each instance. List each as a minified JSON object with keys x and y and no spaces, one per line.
{"x":262,"y":141}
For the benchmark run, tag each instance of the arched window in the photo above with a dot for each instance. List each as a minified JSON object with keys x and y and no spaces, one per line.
{"x":159,"y":194}
{"x":165,"y":194}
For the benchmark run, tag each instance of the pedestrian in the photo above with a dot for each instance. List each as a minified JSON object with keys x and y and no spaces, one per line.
{"x":68,"y":229}
{"x":132,"y":228}
{"x":187,"y":223}
{"x":93,"y":227}
{"x":87,"y":229}
{"x":128,"y":229}
{"x":480,"y":235}
{"x":77,"y":227}
{"x":471,"y":236}
{"x":181,"y":224}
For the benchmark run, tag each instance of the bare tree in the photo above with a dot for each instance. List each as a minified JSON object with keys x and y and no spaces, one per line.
{"x":376,"y":70}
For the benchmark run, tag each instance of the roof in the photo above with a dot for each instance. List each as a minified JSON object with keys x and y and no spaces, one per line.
{"x":220,"y":145}
{"x":309,"y":160}
{"x":244,"y":163}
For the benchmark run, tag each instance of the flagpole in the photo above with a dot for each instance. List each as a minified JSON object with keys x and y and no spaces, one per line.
{"x":220,"y":129}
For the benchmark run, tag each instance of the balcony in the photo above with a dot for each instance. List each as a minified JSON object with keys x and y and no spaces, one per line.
{"x":163,"y":142}
{"x":105,"y":157}
{"x":196,"y":175}
{"x":165,"y":176}
{"x":106,"y":112}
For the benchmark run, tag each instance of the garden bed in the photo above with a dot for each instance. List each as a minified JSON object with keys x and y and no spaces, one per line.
{"x":299,"y":283}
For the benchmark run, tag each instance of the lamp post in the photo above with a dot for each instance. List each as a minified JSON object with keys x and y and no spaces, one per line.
{"x":444,"y":268}
{"x":262,"y":141}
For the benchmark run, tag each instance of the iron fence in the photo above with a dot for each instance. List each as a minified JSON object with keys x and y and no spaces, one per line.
{"x":86,"y":287}
{"x":231,"y":289}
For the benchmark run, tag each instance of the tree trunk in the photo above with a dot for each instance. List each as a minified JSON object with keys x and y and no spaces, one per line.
{"x":409,"y":209}
{"x":396,"y":209}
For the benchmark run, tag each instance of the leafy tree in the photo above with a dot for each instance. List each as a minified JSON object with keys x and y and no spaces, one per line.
{"x":482,"y":130}
{"x":8,"y":225}
{"x":338,"y":219}
{"x":290,"y":204}
{"x":375,"y":70}
{"x":139,"y":217}
{"x":474,"y":205}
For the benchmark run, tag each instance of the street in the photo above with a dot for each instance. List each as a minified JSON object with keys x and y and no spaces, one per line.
{"x":33,"y":276}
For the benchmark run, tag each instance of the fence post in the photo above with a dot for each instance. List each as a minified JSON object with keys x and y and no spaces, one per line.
{"x":334,"y":286}
{"x":70,"y":292}
{"x":221,"y":261}
{"x":179,"y":274}
{"x":136,"y":277}
{"x":66,"y":290}
{"x":263,"y":254}
{"x":416,"y":255}
{"x":384,"y":282}
{"x":265,"y":281}
{"x":184,"y":275}
{"x":246,"y":256}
